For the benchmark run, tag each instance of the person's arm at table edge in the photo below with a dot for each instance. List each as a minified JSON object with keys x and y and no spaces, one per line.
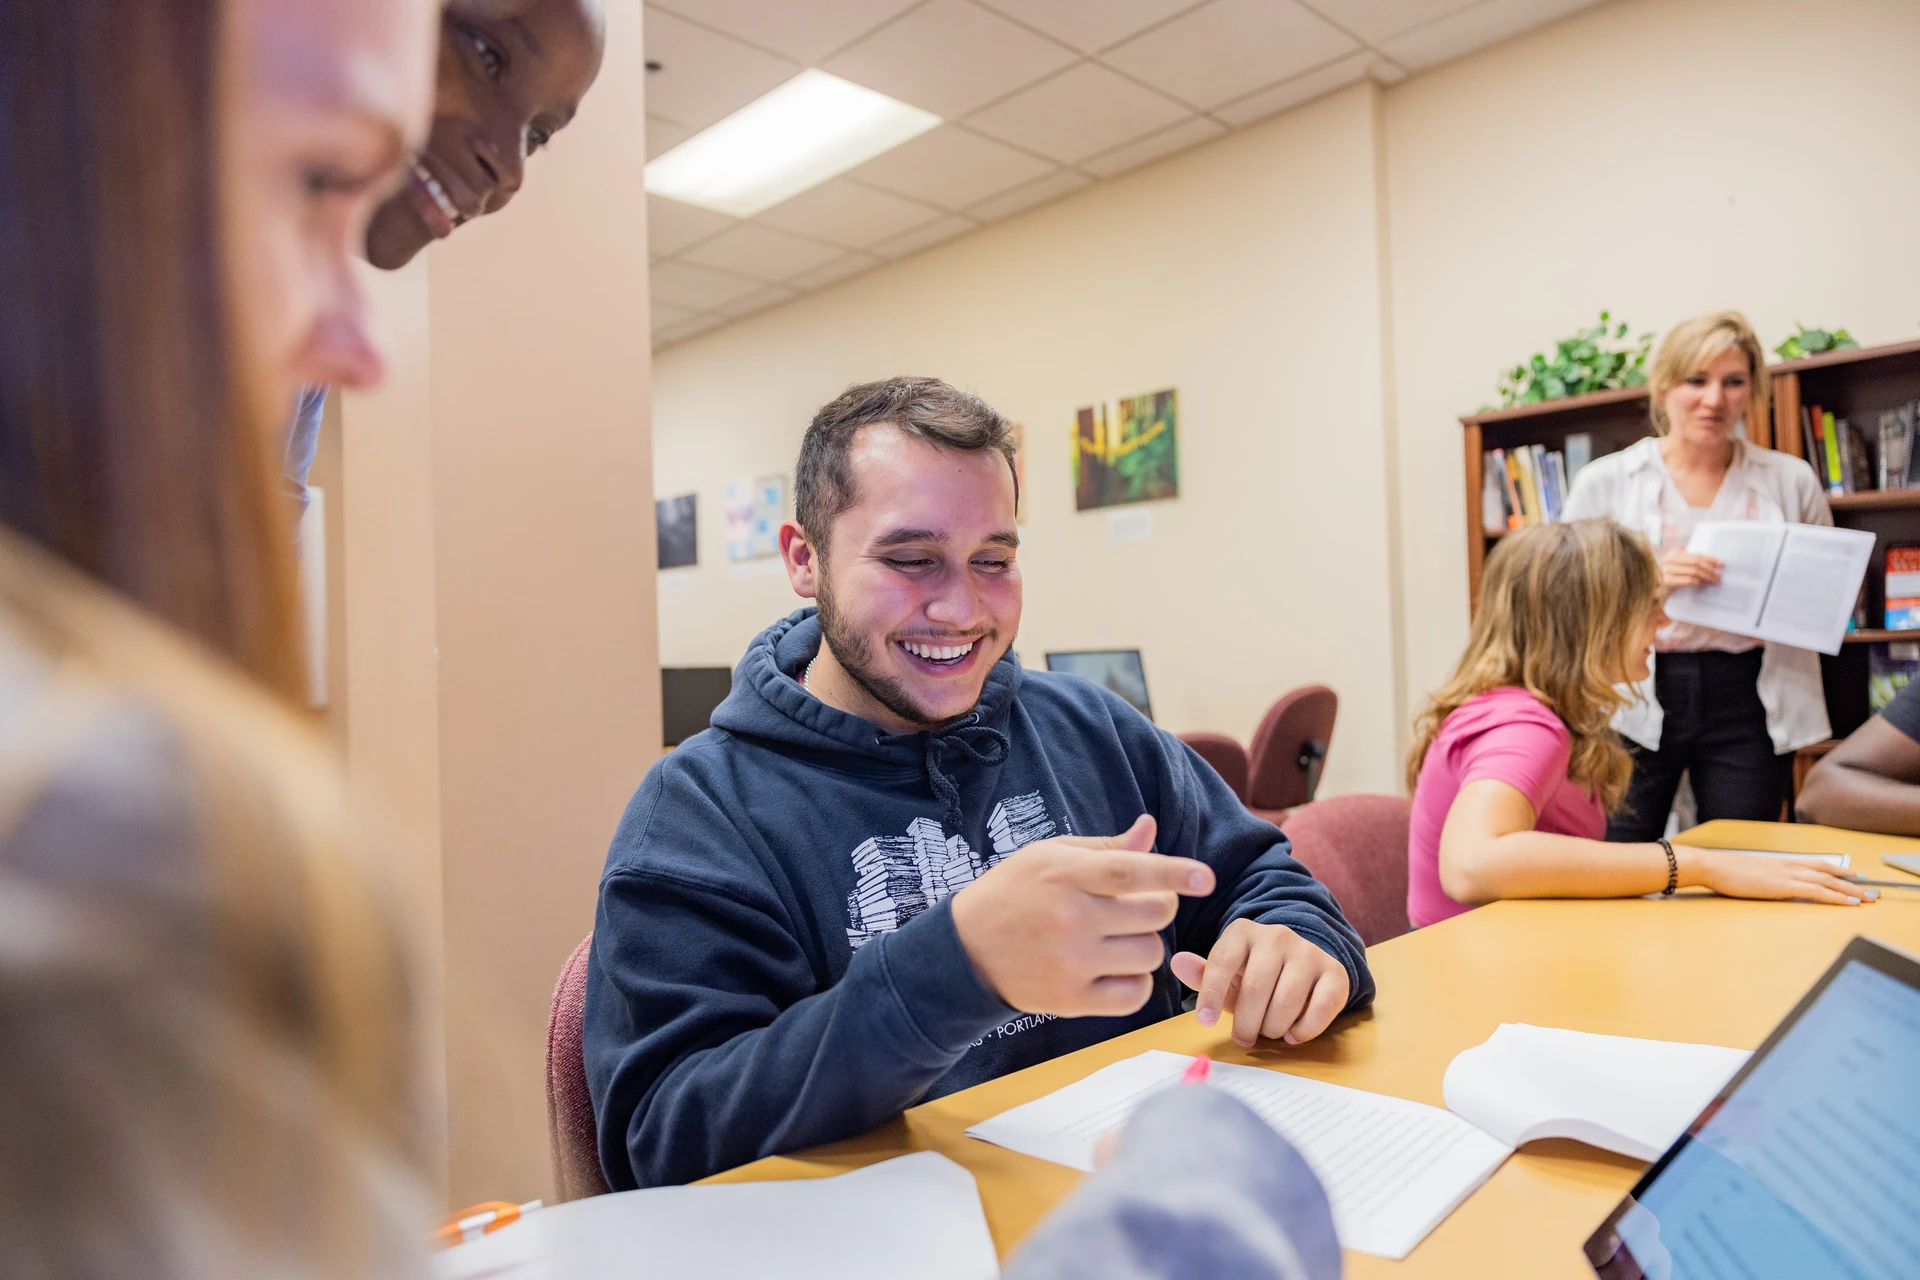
{"x":1490,"y":851}
{"x":1870,"y":782}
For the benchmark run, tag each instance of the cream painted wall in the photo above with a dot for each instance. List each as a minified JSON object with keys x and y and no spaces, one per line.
{"x":1330,"y":291}
{"x":502,"y":675}
{"x":1247,"y":275}
{"x":1659,"y":158}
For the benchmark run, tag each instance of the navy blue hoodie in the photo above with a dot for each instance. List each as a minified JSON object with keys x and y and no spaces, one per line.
{"x":774,"y":959}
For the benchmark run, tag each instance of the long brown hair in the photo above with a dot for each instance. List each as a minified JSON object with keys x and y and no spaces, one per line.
{"x":126,"y":445}
{"x":1558,"y":607}
{"x":208,"y":1063}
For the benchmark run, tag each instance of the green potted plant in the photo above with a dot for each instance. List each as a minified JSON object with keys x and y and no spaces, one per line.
{"x":1595,"y":359}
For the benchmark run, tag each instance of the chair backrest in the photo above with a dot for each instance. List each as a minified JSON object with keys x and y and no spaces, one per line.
{"x":572,"y":1139}
{"x":1228,"y":758}
{"x":1290,"y":748}
{"x":1357,"y":847}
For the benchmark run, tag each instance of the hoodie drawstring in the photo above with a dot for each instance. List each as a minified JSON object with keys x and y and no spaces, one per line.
{"x":973,"y":743}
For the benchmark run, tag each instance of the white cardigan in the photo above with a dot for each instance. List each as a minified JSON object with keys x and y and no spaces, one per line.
{"x":1626,"y":485}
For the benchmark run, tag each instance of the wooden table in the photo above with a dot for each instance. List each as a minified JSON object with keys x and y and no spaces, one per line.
{"x":1697,"y":967}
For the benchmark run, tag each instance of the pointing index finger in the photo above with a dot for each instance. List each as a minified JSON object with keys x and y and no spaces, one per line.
{"x":1111,"y":872}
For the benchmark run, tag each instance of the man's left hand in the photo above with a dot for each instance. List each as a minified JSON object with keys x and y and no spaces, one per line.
{"x":1277,"y":984}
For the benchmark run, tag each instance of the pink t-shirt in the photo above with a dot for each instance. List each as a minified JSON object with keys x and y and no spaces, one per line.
{"x":1510,"y":736}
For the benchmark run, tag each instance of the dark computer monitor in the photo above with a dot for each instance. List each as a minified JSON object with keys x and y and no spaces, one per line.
{"x":1117,"y":669}
{"x":688,"y":696}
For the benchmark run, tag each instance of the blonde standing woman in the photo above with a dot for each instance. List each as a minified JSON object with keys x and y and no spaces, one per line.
{"x":1515,"y":767}
{"x":1728,"y":710}
{"x":208,"y":1062}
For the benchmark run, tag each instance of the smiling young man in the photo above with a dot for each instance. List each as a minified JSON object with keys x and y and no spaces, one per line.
{"x":898,"y":865}
{"x":510,"y":74}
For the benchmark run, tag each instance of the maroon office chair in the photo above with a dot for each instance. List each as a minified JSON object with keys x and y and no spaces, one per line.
{"x":1357,"y":847}
{"x":1289,"y":750}
{"x":1228,"y":758}
{"x":572,"y":1139}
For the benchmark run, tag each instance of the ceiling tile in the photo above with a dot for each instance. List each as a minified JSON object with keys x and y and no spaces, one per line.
{"x":949,"y":57}
{"x":804,"y":32}
{"x":847,"y":214}
{"x":687,"y":285}
{"x":665,"y":315}
{"x":1475,"y":28}
{"x":1064,"y":182}
{"x":1081,"y":112}
{"x":759,"y":300}
{"x":705,"y":76}
{"x":1153,"y":147}
{"x":761,"y":251}
{"x":687,"y":329}
{"x":672,"y":226}
{"x":951,"y":167}
{"x":833,"y":272}
{"x":1229,"y":48}
{"x":1291,"y":93}
{"x":664,"y":135}
{"x":1380,"y":19}
{"x":1090,"y":26}
{"x":943,"y":228}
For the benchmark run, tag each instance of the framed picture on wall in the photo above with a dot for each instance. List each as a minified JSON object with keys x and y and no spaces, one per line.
{"x":676,"y":521}
{"x":1126,"y":451}
{"x":755,"y":509}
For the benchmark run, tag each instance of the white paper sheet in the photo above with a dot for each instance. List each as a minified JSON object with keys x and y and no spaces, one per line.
{"x":1789,"y":583}
{"x":916,"y":1216}
{"x":1622,"y":1094}
{"x":1393,"y":1169}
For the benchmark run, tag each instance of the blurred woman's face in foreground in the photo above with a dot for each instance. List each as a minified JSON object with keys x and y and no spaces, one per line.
{"x":324,"y":102}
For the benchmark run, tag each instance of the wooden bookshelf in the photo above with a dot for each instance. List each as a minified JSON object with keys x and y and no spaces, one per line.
{"x":1857,"y":385}
{"x":1615,"y":419}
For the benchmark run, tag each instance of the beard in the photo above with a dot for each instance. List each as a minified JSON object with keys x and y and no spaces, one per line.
{"x":855,"y":656}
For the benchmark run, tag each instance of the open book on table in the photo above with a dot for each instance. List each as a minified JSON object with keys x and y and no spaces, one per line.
{"x":1789,"y":583}
{"x":1393,"y":1169}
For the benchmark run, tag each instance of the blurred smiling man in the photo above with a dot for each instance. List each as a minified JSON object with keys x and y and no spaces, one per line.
{"x":898,"y":865}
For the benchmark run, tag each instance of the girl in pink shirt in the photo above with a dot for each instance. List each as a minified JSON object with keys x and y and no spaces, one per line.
{"x":1515,"y":767}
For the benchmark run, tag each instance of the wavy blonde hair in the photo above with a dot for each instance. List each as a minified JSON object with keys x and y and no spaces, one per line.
{"x":1558,"y":607}
{"x":1692,"y":345}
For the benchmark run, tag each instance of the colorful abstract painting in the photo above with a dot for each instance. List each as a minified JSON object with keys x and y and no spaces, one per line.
{"x":1126,"y":451}
{"x":755,"y":509}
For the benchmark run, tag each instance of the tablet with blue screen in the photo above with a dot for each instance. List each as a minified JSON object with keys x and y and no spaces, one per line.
{"x":1808,"y":1163}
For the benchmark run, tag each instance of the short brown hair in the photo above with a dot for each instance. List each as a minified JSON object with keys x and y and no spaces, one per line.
{"x":925,"y":408}
{"x":1692,"y":345}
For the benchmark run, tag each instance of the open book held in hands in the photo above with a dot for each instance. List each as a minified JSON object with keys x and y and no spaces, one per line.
{"x":1791,"y":584}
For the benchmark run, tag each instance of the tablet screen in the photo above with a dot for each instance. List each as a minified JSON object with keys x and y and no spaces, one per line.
{"x":1809,"y":1166}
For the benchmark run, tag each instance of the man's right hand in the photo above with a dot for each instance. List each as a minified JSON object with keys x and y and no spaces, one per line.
{"x":1071,"y":926}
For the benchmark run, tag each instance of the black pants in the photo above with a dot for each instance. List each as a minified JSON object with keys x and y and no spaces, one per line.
{"x":1716,"y":731}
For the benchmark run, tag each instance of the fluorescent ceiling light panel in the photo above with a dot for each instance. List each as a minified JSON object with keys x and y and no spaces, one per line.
{"x":813,"y":127}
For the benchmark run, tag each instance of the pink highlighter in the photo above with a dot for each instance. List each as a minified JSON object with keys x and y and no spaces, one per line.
{"x":1196,"y":1072}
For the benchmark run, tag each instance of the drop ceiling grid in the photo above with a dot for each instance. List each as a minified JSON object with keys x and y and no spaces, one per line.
{"x":1179,"y":72}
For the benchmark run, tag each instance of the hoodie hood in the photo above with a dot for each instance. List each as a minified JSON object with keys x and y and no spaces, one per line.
{"x":769,"y":704}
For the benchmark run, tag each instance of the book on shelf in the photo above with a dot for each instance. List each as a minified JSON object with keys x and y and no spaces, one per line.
{"x":1522,"y":486}
{"x":1896,"y":470}
{"x":1903,"y":588}
{"x":1849,"y":459}
{"x":1890,"y":668}
{"x":1579,"y":448}
{"x":1493,"y":491}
